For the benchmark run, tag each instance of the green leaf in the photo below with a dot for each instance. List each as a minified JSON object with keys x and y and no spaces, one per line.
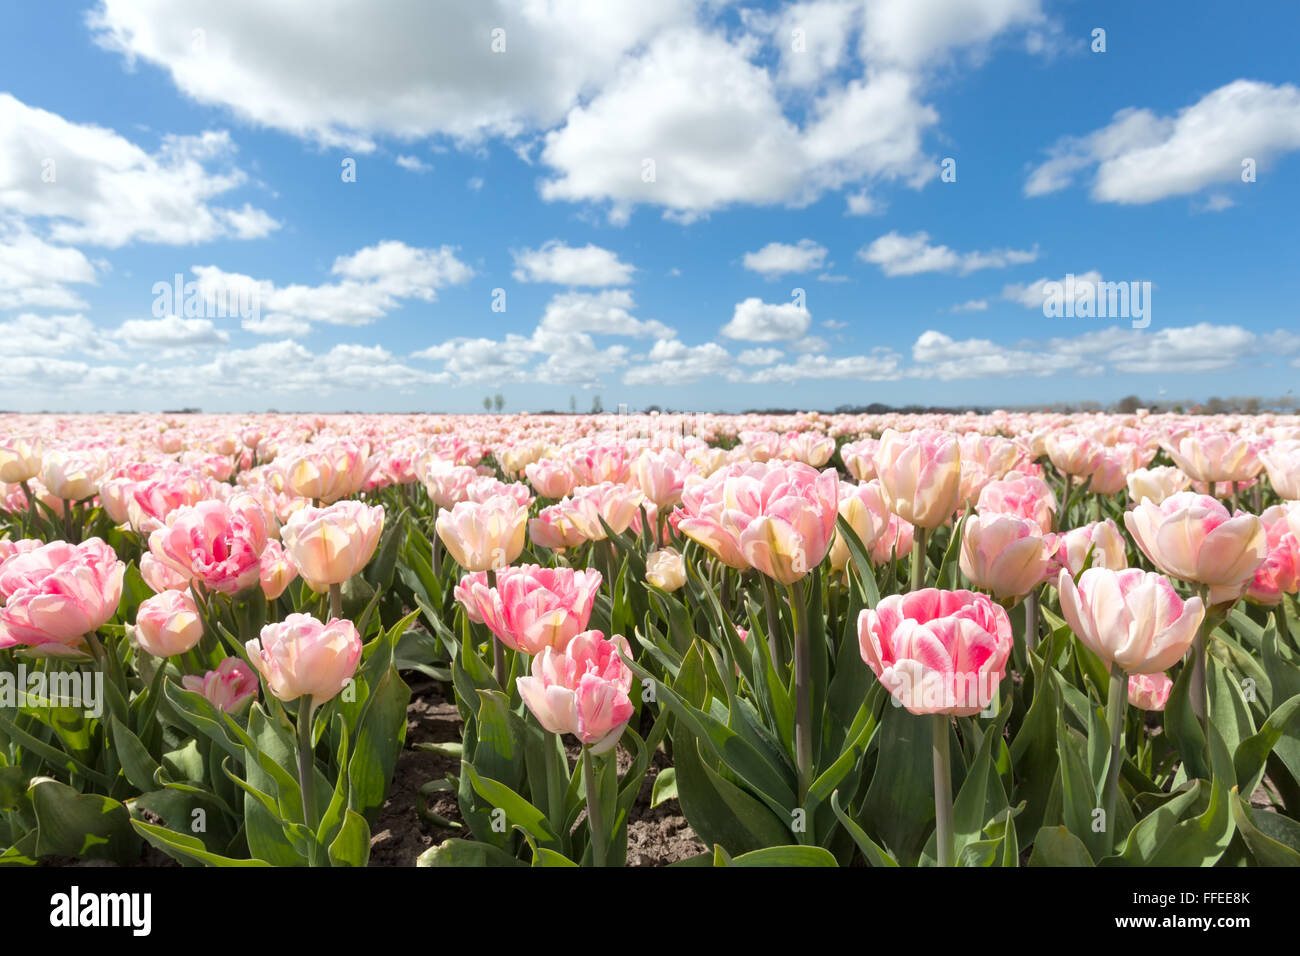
{"x":456,"y":852}
{"x":1282,"y":848}
{"x":352,"y":845}
{"x":87,"y":825}
{"x":899,"y":805}
{"x":182,"y":847}
{"x":784,"y":856}
{"x":665,"y":787}
{"x":874,"y":854}
{"x":1057,"y":846}
{"x":1252,"y":753}
{"x":518,"y":811}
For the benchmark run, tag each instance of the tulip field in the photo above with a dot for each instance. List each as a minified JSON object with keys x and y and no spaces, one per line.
{"x":1007,"y":639}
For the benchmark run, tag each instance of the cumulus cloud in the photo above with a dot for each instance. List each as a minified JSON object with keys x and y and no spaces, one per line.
{"x":561,"y":264}
{"x":35,"y":274}
{"x":1032,"y":295}
{"x":899,"y":255}
{"x":91,"y":185}
{"x":779,"y":258}
{"x":1143,"y":157}
{"x":757,"y":321}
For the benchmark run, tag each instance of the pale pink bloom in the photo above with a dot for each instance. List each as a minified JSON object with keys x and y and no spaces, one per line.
{"x":531,"y":607}
{"x":617,"y":504}
{"x":594,"y":463}
{"x":56,"y":594}
{"x":1025,"y":496}
{"x":1004,"y":554}
{"x":301,"y":656}
{"x":275,"y":571}
{"x":1280,"y":572}
{"x":482,"y":535}
{"x":1215,"y":456}
{"x":1283,"y":463}
{"x":1132,"y":618}
{"x":1073,"y":453}
{"x":168,"y":624}
{"x":937,"y":652}
{"x":329,"y":545}
{"x":230,"y":687}
{"x":582,"y":690}
{"x":328,"y":473}
{"x":660,"y":475}
{"x":557,"y":527}
{"x":665,"y":569}
{"x":446,"y":482}
{"x":863,"y":507}
{"x":20,"y":459}
{"x":161,"y":577}
{"x":1101,"y":539}
{"x":485,"y":487}
{"x":71,"y":475}
{"x":214,"y":544}
{"x":920,"y":474}
{"x":896,"y":541}
{"x":858,"y":458}
{"x":550,"y":479}
{"x":1156,"y":484}
{"x":1114,"y":465}
{"x":1149,"y":691}
{"x":808,"y":447}
{"x":1193,"y":537}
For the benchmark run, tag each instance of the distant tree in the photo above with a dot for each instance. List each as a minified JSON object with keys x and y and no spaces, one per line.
{"x":498,"y":401}
{"x":573,"y":404}
{"x":1250,"y":406}
{"x":596,"y":406}
{"x":487,"y":403}
{"x":1128,"y":404}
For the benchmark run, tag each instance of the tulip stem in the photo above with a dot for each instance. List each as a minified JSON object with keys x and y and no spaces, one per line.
{"x":1031,"y":620}
{"x":945,"y":838}
{"x":1198,"y":691}
{"x":802,"y":689}
{"x":336,"y":601}
{"x":435,"y":546}
{"x":1116,"y":704}
{"x":498,"y":652}
{"x":306,"y":760}
{"x":918,"y":558}
{"x":773,"y":622}
{"x":594,"y":822}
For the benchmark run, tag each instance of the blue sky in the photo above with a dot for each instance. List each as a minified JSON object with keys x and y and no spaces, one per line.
{"x":795,"y":147}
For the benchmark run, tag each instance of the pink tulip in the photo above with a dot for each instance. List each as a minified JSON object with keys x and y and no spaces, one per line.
{"x":20,"y":459}
{"x":531,"y":607}
{"x":895,"y":543}
{"x":613,"y":502}
{"x":70,"y":475}
{"x":213,"y":543}
{"x":1280,"y":572}
{"x":230,"y":687}
{"x":330,"y":545}
{"x":1132,"y":618}
{"x":863,"y":507}
{"x":56,"y":594}
{"x":550,"y":479}
{"x":557,"y":528}
{"x":161,"y":577}
{"x":665,"y":569}
{"x":1215,"y":456}
{"x":483,"y":535}
{"x":275,"y":571}
{"x":920,"y":474}
{"x":937,"y":652}
{"x":1156,"y":483}
{"x":1073,"y":454}
{"x":447,"y":482}
{"x":301,"y":656}
{"x":858,"y":458}
{"x":582,"y":690}
{"x":1024,"y":496}
{"x":1004,"y":554}
{"x":660,"y":475}
{"x":1283,"y":463}
{"x":326,"y":474}
{"x":1101,"y":539}
{"x":1193,"y":537}
{"x":168,"y":624}
{"x":1149,"y":691}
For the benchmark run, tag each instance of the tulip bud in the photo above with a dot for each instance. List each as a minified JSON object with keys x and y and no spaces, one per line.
{"x":168,"y":624}
{"x":230,"y":687}
{"x":301,"y":656}
{"x":665,"y":569}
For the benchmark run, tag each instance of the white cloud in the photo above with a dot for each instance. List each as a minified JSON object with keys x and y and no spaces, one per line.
{"x":861,"y":203}
{"x":170,"y":332}
{"x":880,"y":367}
{"x":413,"y":164}
{"x":972,"y":305}
{"x":107,"y":191}
{"x":1033,"y":294}
{"x":34,"y":274}
{"x":899,"y":255}
{"x":760,"y":356}
{"x":915,"y":33}
{"x":673,"y":363}
{"x":757,"y":321}
{"x":34,"y":335}
{"x":604,"y":313}
{"x":778,"y":258}
{"x":375,"y":280}
{"x":1141,"y":157}
{"x":562,"y":264}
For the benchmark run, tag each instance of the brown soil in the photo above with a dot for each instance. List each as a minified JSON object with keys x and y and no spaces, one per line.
{"x":656,"y":836}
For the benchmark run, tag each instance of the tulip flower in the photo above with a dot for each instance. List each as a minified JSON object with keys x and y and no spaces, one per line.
{"x":531,"y":607}
{"x":550,"y":479}
{"x":330,"y":545}
{"x":582,"y":690}
{"x":168,"y":624}
{"x":1215,"y":456}
{"x":483,"y":535}
{"x":1280,"y":572}
{"x":863,"y":507}
{"x":301,"y":657}
{"x":231,"y":687}
{"x":213,"y":543}
{"x":660,"y":475}
{"x":327,"y":474}
{"x":1005,"y":555}
{"x":1282,"y":462}
{"x":665,"y":569}
{"x":920,"y":474}
{"x":20,"y":459}
{"x":1193,"y":537}
{"x":275,"y":571}
{"x":938,"y":653}
{"x":1156,"y":484}
{"x":1025,"y":496}
{"x":1149,"y":691}
{"x":57,"y":595}
{"x":1101,"y":540}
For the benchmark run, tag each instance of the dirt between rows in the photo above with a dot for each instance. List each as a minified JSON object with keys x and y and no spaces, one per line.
{"x":656,"y":836}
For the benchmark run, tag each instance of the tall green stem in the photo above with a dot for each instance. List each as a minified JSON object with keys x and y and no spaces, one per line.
{"x":595,"y":823}
{"x":773,"y":621}
{"x":945,"y":837}
{"x":498,"y":652}
{"x":1116,"y":704}
{"x":336,"y":601}
{"x":1031,"y":620}
{"x":919,"y":536}
{"x":306,"y":762}
{"x":1198,"y":691}
{"x":802,"y":688}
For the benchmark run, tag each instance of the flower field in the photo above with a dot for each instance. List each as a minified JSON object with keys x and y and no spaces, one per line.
{"x":824,"y":640}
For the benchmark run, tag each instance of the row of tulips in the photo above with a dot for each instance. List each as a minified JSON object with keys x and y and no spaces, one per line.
{"x":976,"y":640}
